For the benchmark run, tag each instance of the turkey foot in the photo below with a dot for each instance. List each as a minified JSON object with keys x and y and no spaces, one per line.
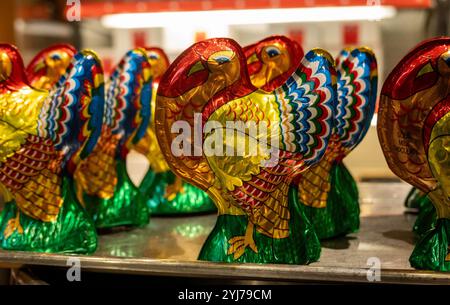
{"x":238,"y":244}
{"x":13,"y":225}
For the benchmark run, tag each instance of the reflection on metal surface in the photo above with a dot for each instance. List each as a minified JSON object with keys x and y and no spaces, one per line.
{"x":23,"y":277}
{"x":191,"y":230}
{"x":382,"y":198}
{"x":169,"y":246}
{"x":164,"y":238}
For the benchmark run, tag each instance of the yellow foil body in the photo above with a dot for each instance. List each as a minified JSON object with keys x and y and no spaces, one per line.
{"x":314,"y":186}
{"x":19,"y":111}
{"x":439,"y":160}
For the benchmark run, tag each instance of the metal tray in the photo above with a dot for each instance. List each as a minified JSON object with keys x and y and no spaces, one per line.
{"x":169,"y":247}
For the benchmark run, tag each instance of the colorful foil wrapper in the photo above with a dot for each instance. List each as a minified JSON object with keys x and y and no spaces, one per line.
{"x":327,"y":191}
{"x":101,"y":181}
{"x":166,"y":193}
{"x":426,"y":217}
{"x":414,"y":198}
{"x":413,"y":132}
{"x":47,"y":67}
{"x":271,"y":61}
{"x":426,"y":213}
{"x":46,"y":135}
{"x":259,"y":218}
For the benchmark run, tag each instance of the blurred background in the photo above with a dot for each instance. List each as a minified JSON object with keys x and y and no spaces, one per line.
{"x":390,"y":27}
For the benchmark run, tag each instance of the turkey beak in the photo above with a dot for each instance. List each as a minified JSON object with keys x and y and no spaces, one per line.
{"x":39,"y":66}
{"x":198,"y":66}
{"x":252,"y":59}
{"x":5,"y":66}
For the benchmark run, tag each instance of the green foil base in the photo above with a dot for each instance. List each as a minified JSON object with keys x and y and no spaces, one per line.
{"x":432,"y":249}
{"x":301,"y":247}
{"x":72,"y":232}
{"x":426,"y":218}
{"x":126,"y":208}
{"x":341,"y":215}
{"x":190,"y":201}
{"x":414,"y":198}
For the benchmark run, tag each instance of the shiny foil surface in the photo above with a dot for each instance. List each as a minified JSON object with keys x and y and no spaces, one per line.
{"x":426,"y":218}
{"x":414,"y":198}
{"x":166,"y":193}
{"x":126,"y":208}
{"x":258,"y":222}
{"x":72,"y":232}
{"x":45,"y":69}
{"x":301,"y":247}
{"x":413,"y":129}
{"x":102,"y":183}
{"x":426,"y":215}
{"x":327,"y":190}
{"x":169,"y":195}
{"x":44,"y":137}
{"x":431,"y":252}
{"x":341,"y":214}
{"x":331,"y":205}
{"x":272,"y":61}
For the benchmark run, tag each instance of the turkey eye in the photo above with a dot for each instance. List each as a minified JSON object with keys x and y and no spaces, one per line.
{"x":273,"y":51}
{"x":55,"y":57}
{"x":153,"y":56}
{"x":222,"y":59}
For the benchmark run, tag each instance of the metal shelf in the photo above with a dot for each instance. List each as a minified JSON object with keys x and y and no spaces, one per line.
{"x":169,"y":247}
